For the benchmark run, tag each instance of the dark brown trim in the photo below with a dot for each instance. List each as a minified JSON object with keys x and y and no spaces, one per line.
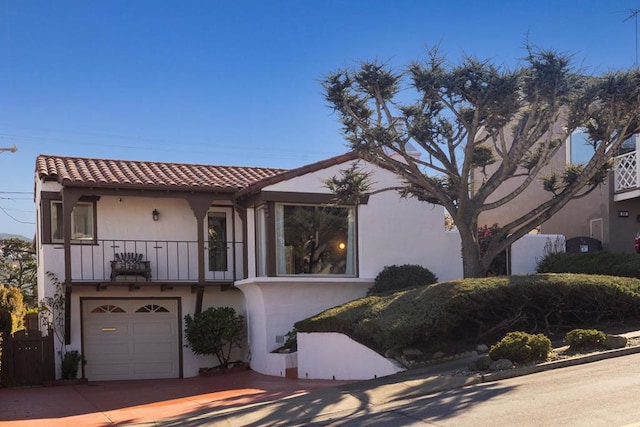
{"x":302,"y":198}
{"x":293,"y":173}
{"x":199,"y":299}
{"x":270,"y":226}
{"x":242,"y":213}
{"x":166,"y":286}
{"x":45,"y":213}
{"x":271,"y":242}
{"x":46,"y":197}
{"x":69,"y":201}
{"x":67,"y":315}
{"x":163,"y":190}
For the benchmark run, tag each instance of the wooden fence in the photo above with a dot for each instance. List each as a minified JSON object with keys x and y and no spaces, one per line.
{"x":27,"y":358}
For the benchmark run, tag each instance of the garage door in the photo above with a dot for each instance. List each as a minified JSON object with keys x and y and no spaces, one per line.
{"x":126,"y":339}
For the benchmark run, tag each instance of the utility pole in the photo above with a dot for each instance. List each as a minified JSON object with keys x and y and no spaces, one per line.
{"x":12,"y":149}
{"x":633,"y":13}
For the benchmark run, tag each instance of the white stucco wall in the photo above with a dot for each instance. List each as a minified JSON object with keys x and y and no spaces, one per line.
{"x":274,"y":304}
{"x":336,"y":356}
{"x":129,"y":218}
{"x":529,"y":250}
{"x":391,"y":230}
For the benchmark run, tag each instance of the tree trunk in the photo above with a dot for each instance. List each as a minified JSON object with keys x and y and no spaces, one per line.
{"x":471,"y":265}
{"x":471,"y":262}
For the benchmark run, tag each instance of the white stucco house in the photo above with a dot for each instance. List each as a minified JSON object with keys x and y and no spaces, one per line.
{"x":269,"y":242}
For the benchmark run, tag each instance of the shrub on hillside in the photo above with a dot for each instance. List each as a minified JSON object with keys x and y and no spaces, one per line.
{"x":601,"y":262}
{"x":397,"y":277}
{"x":521,"y":347}
{"x":580,"y":339}
{"x":472,"y":310}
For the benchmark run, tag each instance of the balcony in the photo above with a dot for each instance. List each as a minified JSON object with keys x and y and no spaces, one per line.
{"x":171,"y":262}
{"x":626,"y":176}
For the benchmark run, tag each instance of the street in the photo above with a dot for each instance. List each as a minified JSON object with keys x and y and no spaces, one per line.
{"x":602,"y":393}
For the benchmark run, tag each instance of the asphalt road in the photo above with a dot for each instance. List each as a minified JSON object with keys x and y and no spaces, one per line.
{"x":605,"y":393}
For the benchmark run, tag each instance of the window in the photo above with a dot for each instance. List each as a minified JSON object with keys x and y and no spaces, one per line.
{"x":217,"y":230}
{"x":628,"y":145}
{"x":580,"y":148}
{"x":82,"y":224}
{"x":315,"y":240}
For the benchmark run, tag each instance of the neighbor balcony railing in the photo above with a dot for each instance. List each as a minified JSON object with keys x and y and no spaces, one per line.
{"x":170,"y":260}
{"x":626,"y":172}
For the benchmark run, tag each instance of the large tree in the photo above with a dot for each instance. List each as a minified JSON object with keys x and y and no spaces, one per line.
{"x":477,"y":127}
{"x":18,"y":268}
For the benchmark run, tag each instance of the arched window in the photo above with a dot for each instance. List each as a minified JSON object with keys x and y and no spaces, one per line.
{"x":107,"y":308}
{"x":152,"y":308}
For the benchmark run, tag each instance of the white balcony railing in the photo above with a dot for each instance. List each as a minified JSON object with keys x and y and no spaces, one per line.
{"x":626,"y":172}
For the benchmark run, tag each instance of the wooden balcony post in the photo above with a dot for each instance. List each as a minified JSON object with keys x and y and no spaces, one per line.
{"x":69,"y":200}
{"x":200,"y":206}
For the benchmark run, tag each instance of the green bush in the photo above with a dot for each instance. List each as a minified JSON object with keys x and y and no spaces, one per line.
{"x":480,"y":310}
{"x":579,"y":339}
{"x":397,"y":277}
{"x":521,"y":347}
{"x":71,"y":361}
{"x":215,"y":331}
{"x":601,"y":262}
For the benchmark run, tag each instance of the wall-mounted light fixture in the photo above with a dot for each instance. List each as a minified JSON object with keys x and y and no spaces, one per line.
{"x":155,"y":214}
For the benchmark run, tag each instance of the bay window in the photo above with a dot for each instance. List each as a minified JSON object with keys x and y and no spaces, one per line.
{"x":317,"y":240}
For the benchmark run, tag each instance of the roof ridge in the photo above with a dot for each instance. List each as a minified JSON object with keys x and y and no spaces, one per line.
{"x":101,"y":159}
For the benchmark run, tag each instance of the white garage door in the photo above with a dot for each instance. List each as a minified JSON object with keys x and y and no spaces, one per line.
{"x":126,"y":339}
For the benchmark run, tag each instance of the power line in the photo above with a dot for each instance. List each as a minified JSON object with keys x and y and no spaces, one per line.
{"x":633,"y":13}
{"x":13,"y":218}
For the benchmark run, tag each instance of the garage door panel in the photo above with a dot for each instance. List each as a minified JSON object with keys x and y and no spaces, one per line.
{"x":106,"y":327}
{"x":120,"y":343}
{"x":107,"y":350}
{"x":159,"y":328}
{"x":156,"y":370}
{"x":154,"y":347}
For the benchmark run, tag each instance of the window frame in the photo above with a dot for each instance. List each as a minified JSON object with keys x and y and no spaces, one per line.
{"x":47,"y":201}
{"x":278,"y":241}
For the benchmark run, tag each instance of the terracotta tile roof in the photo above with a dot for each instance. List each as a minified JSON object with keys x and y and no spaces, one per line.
{"x":137,"y":174}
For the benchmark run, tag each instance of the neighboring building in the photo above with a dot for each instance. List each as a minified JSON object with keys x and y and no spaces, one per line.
{"x":609,"y":214}
{"x":267,"y":242}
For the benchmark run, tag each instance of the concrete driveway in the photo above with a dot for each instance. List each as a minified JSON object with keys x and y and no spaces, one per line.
{"x":143,"y":402}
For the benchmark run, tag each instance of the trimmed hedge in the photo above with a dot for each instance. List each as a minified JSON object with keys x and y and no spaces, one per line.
{"x":393,"y":278}
{"x":471,"y":310}
{"x":601,"y":262}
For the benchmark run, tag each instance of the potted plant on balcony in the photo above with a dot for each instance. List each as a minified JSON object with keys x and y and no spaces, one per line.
{"x":215,"y":331}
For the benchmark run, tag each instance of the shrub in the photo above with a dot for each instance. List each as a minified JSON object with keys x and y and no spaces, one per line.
{"x":485,"y":309}
{"x":71,"y":361}
{"x":397,"y":277}
{"x":601,"y":262}
{"x":291,"y":340}
{"x":579,"y":339}
{"x":215,"y":331}
{"x":521,"y":347}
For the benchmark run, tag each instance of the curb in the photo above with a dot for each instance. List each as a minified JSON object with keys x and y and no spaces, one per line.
{"x":547,"y":366}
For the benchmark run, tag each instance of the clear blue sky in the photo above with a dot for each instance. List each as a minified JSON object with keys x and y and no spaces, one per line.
{"x":238,"y":82}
